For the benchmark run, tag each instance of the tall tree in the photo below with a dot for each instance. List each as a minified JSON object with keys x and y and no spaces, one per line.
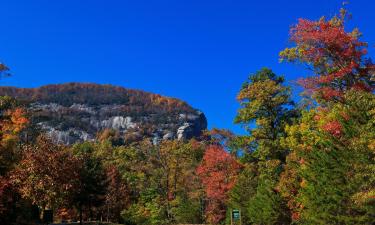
{"x":266,"y":108}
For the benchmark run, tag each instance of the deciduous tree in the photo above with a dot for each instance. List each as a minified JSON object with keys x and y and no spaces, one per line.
{"x":337,"y":57}
{"x":218,"y":172}
{"x":47,"y":174}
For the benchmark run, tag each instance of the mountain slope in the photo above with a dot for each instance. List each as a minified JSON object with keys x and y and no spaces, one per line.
{"x":75,"y":112}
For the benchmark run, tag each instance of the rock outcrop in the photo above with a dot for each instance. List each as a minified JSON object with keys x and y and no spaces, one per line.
{"x":76,"y":112}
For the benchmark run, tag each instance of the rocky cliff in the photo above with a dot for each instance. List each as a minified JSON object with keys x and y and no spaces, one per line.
{"x":77,"y":112}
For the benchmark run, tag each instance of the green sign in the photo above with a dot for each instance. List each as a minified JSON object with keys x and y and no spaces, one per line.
{"x":236,"y":214}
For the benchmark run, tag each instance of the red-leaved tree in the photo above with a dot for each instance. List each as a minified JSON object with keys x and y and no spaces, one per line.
{"x":217,"y":171}
{"x":337,"y":57}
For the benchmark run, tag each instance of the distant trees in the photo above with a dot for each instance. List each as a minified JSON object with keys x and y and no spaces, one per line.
{"x":132,"y":101}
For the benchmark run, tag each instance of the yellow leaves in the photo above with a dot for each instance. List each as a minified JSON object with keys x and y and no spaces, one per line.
{"x":273,"y":163}
{"x":18,"y":119}
{"x":364,"y":197}
{"x":371,"y":146}
{"x":291,"y":54}
{"x":13,"y":122}
{"x":303,"y":183}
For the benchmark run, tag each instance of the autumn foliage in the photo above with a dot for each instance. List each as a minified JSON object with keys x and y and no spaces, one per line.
{"x":311,"y":162}
{"x":47,"y":174}
{"x":218,"y":172}
{"x":337,"y":57}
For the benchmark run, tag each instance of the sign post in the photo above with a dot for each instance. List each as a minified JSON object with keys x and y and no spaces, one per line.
{"x":236,"y":217}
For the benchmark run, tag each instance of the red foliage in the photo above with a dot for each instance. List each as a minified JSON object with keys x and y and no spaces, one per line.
{"x":218,"y":172}
{"x":336,"y":55}
{"x":117,"y":196}
{"x":296,"y":216}
{"x":334,"y":128}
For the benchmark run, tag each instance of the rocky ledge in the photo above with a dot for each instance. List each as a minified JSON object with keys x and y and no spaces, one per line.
{"x":76,"y":112}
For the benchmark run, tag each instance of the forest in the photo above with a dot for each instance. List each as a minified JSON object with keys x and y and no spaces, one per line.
{"x":305,"y":162}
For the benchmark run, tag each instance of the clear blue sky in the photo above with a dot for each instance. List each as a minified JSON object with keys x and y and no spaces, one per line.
{"x":196,"y":50}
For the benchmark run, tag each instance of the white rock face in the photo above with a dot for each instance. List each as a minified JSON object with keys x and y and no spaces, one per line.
{"x":60,"y":122}
{"x":118,"y":123}
{"x":52,"y":107}
{"x":168,"y":136}
{"x":68,"y":137}
{"x":181,"y":131}
{"x":84,"y":108}
{"x":190,"y":117}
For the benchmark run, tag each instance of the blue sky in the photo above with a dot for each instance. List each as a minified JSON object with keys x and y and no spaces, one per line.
{"x":199,"y":51}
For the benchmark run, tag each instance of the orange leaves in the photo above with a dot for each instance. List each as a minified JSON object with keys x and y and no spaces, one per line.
{"x":334,"y":128}
{"x":296,"y":216}
{"x":218,"y":172}
{"x":13,"y":121}
{"x":18,"y":119}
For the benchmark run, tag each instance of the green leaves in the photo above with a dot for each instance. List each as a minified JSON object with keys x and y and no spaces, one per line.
{"x":265,"y":102}
{"x":327,"y":173}
{"x":266,"y":108}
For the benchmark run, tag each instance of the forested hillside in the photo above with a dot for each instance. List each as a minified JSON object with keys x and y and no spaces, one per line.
{"x":77,"y":112}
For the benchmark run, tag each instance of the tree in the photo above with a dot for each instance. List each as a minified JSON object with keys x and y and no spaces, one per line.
{"x":47,"y":174}
{"x":117,"y":195}
{"x":265,"y":102}
{"x":330,"y":174}
{"x":266,"y":108}
{"x":163,"y":181}
{"x":218,"y":172}
{"x":243,"y":190}
{"x":4,"y":70}
{"x":12,"y":121}
{"x":336,"y":57}
{"x":91,"y":179}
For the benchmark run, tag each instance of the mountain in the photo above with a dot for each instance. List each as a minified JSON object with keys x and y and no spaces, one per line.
{"x":75,"y":112}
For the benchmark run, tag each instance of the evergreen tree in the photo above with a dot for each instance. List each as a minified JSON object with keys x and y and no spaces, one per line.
{"x":266,"y":109}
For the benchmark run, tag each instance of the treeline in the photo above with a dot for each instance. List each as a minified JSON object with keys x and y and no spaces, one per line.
{"x":95,"y":94}
{"x":310,"y":162}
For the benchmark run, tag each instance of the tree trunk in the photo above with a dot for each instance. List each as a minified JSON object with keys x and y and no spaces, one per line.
{"x":80,"y":214}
